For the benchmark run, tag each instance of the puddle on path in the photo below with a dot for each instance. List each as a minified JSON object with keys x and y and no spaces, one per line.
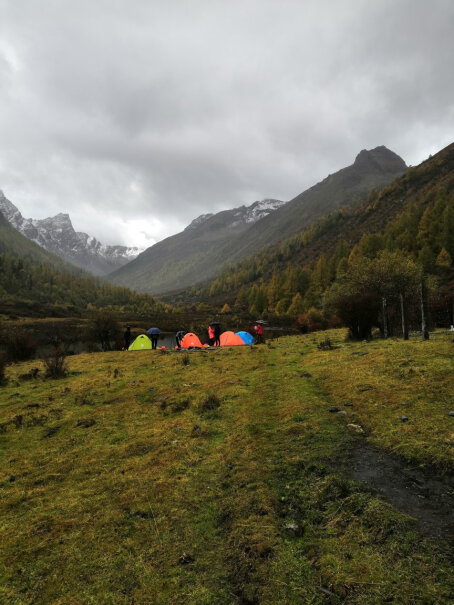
{"x":419,"y":493}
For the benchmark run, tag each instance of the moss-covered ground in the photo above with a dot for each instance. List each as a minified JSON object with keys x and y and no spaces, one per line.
{"x":122,"y":483}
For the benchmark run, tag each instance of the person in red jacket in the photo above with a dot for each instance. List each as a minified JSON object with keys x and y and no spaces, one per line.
{"x":259,"y":332}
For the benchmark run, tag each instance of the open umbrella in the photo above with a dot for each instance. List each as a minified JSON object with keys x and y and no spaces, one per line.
{"x":154,"y":331}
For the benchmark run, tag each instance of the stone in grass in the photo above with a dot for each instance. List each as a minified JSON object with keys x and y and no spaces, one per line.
{"x":293,"y":530}
{"x":343,"y":412}
{"x":333,"y":409}
{"x":451,"y":413}
{"x":404,"y":418}
{"x":86,"y":422}
{"x":185,"y":559}
{"x":355,"y":427}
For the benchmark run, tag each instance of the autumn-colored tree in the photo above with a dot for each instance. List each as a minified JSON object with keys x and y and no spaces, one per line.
{"x":444,"y":259}
{"x":297,"y":305}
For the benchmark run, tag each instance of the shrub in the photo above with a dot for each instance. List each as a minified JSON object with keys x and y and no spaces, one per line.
{"x":102,"y":327}
{"x":325,"y":345}
{"x":20,"y":346}
{"x":186,"y":360}
{"x":211,"y":402}
{"x":55,"y":364}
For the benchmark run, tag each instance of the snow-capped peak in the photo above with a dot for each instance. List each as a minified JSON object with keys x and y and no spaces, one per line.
{"x":56,"y":234}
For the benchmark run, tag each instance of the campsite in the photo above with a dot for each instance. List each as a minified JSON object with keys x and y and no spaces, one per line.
{"x":226,"y":302}
{"x":240,"y":474}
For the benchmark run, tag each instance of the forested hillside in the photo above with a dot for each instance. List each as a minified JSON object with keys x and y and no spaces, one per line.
{"x":413,"y":218}
{"x":35,"y":282}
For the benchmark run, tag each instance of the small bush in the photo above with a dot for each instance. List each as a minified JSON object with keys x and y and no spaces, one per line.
{"x":55,"y":364}
{"x":325,"y":345}
{"x":175,"y":406}
{"x":185,"y":360}
{"x":103,"y":328}
{"x":3,"y":361}
{"x":211,"y":402}
{"x":20,"y":346}
{"x":31,"y":375}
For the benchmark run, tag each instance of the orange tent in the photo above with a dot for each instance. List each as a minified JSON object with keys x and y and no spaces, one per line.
{"x":230,"y":339}
{"x":190,"y":340}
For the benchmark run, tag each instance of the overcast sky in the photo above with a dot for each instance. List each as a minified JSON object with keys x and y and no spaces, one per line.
{"x":135,"y":116}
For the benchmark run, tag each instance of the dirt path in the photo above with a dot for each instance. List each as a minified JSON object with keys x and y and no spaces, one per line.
{"x":416,"y":492}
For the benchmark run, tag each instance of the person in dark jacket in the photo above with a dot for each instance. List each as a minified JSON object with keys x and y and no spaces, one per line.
{"x":179,"y":337}
{"x":127,"y":337}
{"x":217,"y":335}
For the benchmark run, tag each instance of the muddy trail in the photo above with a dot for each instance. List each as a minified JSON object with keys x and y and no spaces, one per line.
{"x":422,"y":494}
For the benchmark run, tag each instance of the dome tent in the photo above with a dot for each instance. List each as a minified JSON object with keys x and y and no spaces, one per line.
{"x":191,"y":341}
{"x":141,"y":343}
{"x":230,"y":339}
{"x":247,"y":338}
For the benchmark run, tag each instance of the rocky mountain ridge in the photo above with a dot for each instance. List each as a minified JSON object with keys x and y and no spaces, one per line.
{"x":57,"y":235}
{"x":242,"y":214}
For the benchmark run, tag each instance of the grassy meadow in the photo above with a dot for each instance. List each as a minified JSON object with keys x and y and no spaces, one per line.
{"x":222,"y":477}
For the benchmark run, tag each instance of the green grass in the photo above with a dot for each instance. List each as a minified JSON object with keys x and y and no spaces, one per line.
{"x":157,"y":501}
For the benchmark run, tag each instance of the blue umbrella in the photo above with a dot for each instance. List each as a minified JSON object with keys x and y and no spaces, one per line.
{"x":154,"y":331}
{"x":247,"y":338}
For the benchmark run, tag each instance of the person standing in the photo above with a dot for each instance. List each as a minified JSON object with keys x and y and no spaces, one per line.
{"x":179,"y":337}
{"x":127,"y":337}
{"x":153,"y":333}
{"x":217,"y":335}
{"x":259,"y":333}
{"x":210,"y":335}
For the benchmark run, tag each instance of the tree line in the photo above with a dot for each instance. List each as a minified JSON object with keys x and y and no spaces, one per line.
{"x":25,"y":284}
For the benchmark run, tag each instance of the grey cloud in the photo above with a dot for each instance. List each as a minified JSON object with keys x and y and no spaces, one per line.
{"x":137,"y":116}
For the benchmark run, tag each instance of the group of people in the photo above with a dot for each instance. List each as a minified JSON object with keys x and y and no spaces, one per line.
{"x":214,"y":335}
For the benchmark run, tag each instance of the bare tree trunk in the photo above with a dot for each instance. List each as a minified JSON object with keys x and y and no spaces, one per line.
{"x":385,"y":316}
{"x":424,"y":329}
{"x":403,"y":311}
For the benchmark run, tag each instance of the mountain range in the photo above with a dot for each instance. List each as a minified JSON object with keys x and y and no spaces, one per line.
{"x":213,"y":241}
{"x":57,"y":235}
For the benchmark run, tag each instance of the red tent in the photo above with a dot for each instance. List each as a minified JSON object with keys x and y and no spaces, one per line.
{"x":190,"y":340}
{"x":230,"y":339}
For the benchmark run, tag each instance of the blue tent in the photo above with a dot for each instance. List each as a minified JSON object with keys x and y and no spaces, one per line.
{"x":246,"y":337}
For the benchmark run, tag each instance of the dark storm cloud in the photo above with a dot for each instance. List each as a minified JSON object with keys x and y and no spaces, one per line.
{"x":137,"y":116}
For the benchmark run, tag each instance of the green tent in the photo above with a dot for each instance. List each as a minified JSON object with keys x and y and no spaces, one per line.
{"x":141,"y":342}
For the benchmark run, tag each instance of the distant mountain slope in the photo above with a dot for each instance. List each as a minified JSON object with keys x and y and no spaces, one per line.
{"x":349,"y":186}
{"x":414,"y":214}
{"x":12,"y":242}
{"x":57,"y":235}
{"x":35,"y":282}
{"x":187,"y":257}
{"x":200,"y":252}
